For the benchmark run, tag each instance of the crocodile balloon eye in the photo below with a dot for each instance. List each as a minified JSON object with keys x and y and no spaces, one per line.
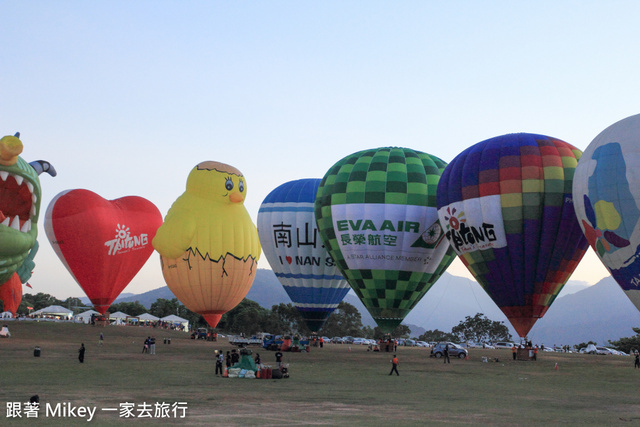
{"x":241,"y":186}
{"x":228,"y":185}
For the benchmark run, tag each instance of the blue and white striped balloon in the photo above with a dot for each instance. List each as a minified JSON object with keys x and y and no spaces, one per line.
{"x":291,"y":242}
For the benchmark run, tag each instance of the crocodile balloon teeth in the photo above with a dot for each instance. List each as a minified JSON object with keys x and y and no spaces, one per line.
{"x":17,"y":202}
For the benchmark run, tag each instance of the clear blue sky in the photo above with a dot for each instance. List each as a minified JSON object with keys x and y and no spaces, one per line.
{"x":124,"y":98}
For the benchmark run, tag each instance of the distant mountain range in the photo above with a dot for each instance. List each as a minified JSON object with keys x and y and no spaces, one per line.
{"x":599,"y":313}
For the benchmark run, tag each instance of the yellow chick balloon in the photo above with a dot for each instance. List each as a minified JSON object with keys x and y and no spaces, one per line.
{"x":208,"y":245}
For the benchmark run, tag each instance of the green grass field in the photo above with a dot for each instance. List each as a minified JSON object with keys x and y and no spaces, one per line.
{"x":329,"y":386}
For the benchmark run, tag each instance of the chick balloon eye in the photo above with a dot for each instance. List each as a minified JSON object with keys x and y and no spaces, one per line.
{"x":229,"y":184}
{"x":241,"y":186}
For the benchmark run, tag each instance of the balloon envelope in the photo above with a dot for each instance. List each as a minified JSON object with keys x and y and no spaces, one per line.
{"x":290,"y":241}
{"x":376,"y":212}
{"x":606,"y":193}
{"x":20,"y":196}
{"x":208,"y":244}
{"x":102,"y":243}
{"x":507,"y":210}
{"x":11,"y":294}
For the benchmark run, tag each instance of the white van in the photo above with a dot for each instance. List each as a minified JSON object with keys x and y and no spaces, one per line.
{"x":504,"y":345}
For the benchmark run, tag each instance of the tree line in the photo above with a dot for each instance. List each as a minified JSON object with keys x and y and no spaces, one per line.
{"x":249,"y":317}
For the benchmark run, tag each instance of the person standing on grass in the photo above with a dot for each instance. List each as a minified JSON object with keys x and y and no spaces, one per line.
{"x":394,"y":365}
{"x":219,"y":360}
{"x":152,"y":345}
{"x":101,"y":339}
{"x":637,"y":362}
{"x":81,"y":353}
{"x":446,"y":354}
{"x":514,"y":351}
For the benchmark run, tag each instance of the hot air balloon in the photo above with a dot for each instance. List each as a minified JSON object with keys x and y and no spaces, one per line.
{"x":290,"y":241}
{"x":20,"y":195}
{"x":376,"y":213}
{"x":507,"y":210}
{"x":208,"y":245}
{"x":606,"y":193}
{"x":102,"y":243}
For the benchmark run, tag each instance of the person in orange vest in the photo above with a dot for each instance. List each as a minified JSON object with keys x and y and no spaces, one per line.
{"x":321,"y":342}
{"x":513,"y":351}
{"x":394,"y":366}
{"x":535,"y":353}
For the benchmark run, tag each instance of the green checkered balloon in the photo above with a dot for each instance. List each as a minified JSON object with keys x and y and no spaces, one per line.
{"x":376,"y":213}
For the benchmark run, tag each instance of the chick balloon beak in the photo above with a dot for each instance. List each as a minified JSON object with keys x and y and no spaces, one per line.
{"x":236,"y":198}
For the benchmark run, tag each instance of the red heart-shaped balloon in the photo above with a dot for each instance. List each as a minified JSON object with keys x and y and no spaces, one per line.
{"x":103,"y":243}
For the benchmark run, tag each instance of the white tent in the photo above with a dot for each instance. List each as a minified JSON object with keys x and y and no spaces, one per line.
{"x":85,"y":317}
{"x":149,"y":317}
{"x":118,"y":315}
{"x":179,"y":321}
{"x":54,"y":311}
{"x":119,"y":318}
{"x":6,"y":315}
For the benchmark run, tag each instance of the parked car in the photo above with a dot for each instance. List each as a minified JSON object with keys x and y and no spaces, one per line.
{"x":471,"y":344}
{"x":508,"y":345}
{"x":421,"y":344}
{"x":360,"y":341}
{"x":336,"y":340}
{"x":409,"y":343}
{"x":604,"y":350}
{"x":347,"y":340}
{"x":326,"y":340}
{"x":455,"y":350}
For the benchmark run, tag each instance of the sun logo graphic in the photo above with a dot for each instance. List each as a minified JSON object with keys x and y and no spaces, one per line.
{"x":125,"y":242}
{"x":453,"y":220}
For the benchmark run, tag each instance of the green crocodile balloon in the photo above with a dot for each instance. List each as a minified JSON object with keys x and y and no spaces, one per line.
{"x":376,"y":213}
{"x":20,"y":196}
